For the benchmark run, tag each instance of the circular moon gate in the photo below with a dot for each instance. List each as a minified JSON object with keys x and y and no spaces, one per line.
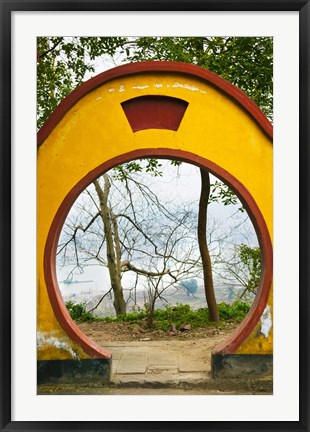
{"x":152,"y":109}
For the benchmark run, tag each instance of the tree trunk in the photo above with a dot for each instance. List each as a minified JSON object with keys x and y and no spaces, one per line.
{"x":113,"y":250}
{"x":203,"y":246}
{"x":150,"y":311}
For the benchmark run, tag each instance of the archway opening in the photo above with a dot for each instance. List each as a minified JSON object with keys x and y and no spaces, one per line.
{"x":247,"y":203}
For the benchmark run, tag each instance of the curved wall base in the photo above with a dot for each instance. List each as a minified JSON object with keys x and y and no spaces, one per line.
{"x":242,"y":365}
{"x":85,"y":371}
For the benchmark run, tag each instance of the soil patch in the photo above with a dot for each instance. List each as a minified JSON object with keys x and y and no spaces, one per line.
{"x":121,"y":331}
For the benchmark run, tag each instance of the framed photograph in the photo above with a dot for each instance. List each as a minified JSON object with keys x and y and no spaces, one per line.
{"x":51,"y":337}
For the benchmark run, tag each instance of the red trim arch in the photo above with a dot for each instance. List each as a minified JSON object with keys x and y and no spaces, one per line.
{"x":243,"y":331}
{"x":155,"y":66}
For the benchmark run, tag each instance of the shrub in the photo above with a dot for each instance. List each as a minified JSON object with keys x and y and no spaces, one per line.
{"x":180,"y":314}
{"x":132,"y":316}
{"x":78,"y":312}
{"x":163,"y":318}
{"x":234,"y":312}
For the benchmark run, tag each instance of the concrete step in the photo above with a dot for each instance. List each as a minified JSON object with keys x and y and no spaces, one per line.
{"x":192,"y":380}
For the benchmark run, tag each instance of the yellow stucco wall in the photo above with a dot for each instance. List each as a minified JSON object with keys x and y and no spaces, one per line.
{"x":96,"y":130}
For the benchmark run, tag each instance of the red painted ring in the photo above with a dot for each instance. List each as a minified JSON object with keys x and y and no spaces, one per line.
{"x":243,"y":331}
{"x":148,"y":67}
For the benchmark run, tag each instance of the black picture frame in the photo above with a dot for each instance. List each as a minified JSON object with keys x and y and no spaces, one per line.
{"x":7,"y":7}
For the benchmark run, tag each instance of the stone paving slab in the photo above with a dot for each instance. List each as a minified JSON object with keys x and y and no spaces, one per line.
{"x":159,"y":361}
{"x":133,"y":361}
{"x":149,"y":364}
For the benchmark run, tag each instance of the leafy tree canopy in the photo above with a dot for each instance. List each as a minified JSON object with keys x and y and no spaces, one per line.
{"x":244,"y":61}
{"x":62,"y":64}
{"x":65,"y":62}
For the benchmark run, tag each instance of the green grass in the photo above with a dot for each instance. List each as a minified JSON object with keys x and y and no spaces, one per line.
{"x":163,"y":318}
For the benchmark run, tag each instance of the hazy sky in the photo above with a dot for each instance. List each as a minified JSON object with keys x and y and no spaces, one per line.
{"x":176,"y":185}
